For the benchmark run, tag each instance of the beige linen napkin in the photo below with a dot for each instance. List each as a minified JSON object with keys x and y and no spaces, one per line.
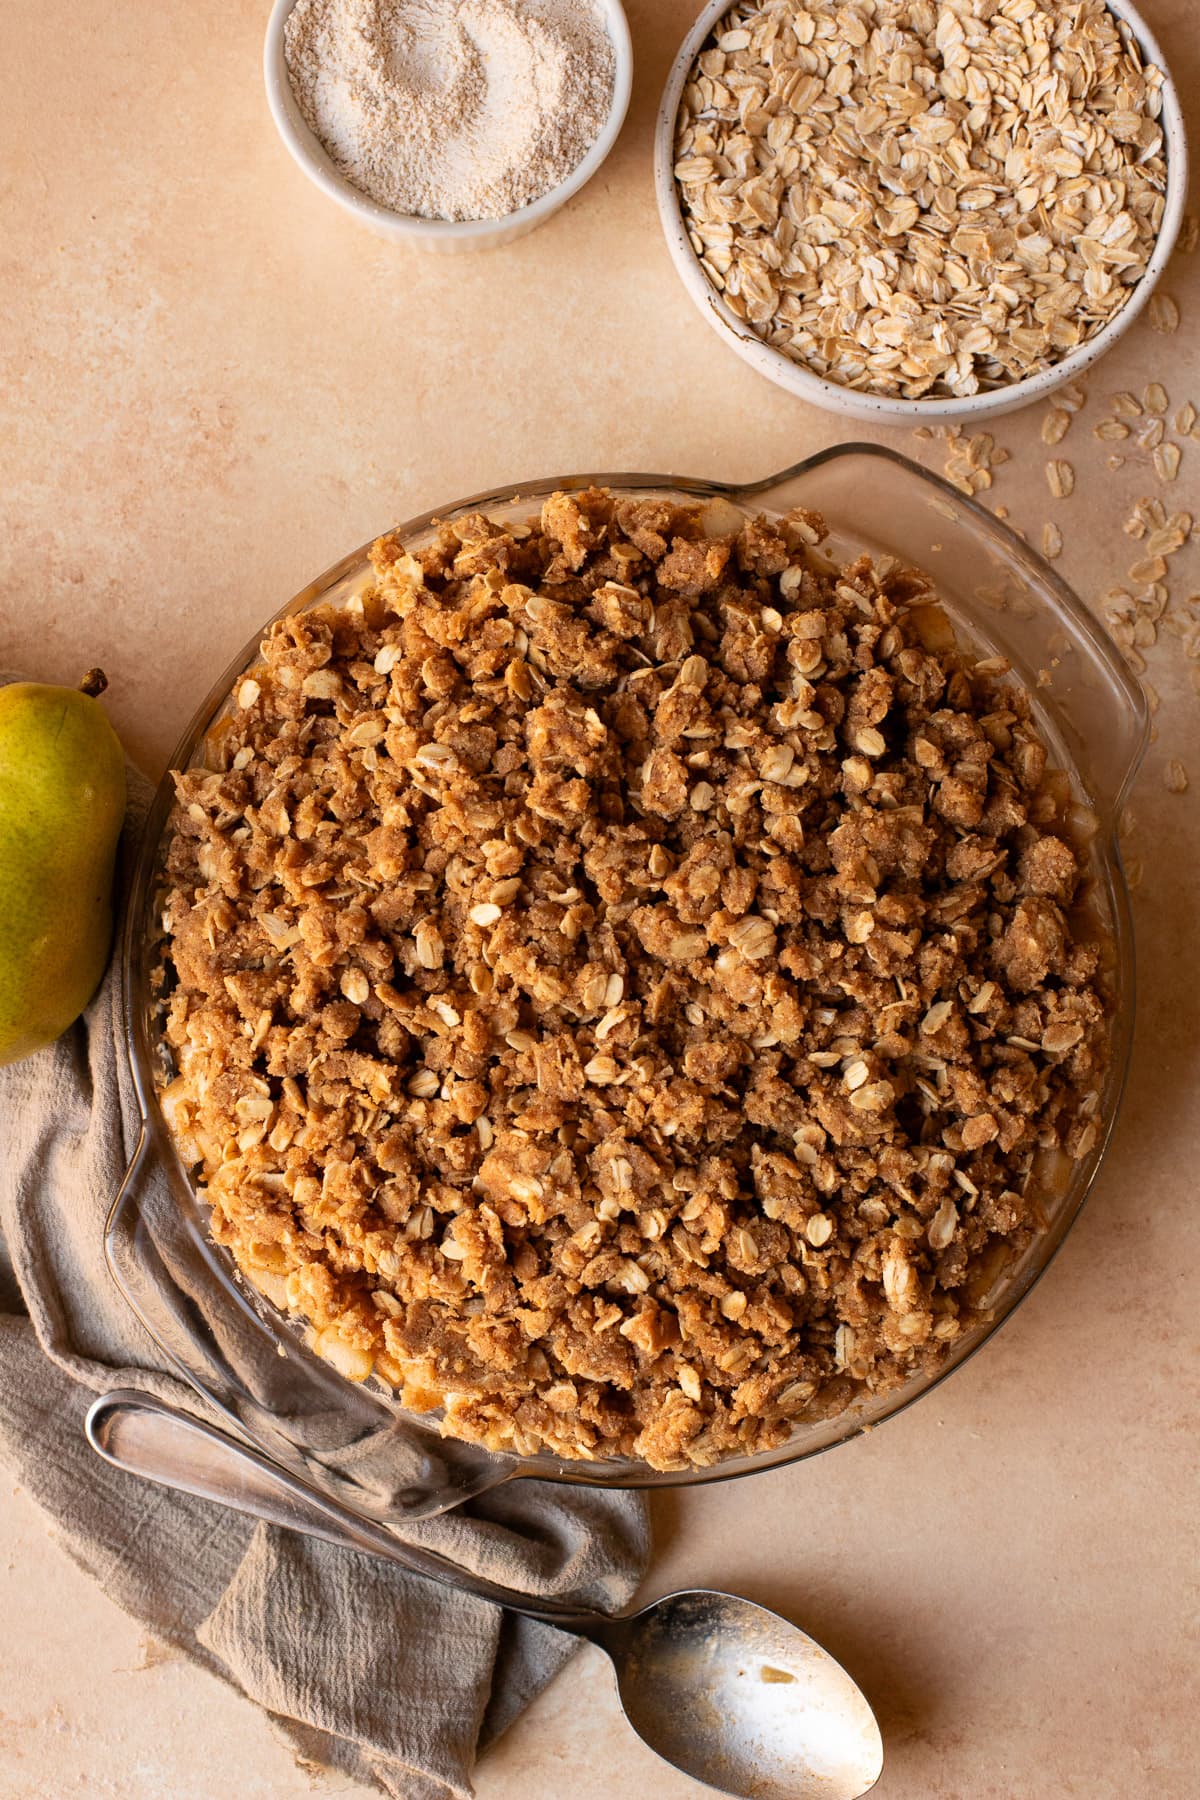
{"x":381,"y":1675}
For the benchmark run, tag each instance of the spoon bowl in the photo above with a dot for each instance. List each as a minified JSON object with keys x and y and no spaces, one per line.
{"x":743,"y":1700}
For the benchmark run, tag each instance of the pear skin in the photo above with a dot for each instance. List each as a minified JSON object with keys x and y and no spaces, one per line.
{"x":62,"y":801}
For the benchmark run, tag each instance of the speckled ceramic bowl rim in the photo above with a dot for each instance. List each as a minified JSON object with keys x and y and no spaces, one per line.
{"x":469,"y":234}
{"x":883,"y":409}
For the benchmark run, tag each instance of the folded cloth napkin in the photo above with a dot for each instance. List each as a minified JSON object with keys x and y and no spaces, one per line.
{"x":379,"y":1674}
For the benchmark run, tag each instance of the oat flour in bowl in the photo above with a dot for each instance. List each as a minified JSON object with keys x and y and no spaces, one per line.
{"x":451,"y":109}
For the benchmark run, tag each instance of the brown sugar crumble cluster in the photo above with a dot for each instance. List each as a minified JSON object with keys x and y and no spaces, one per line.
{"x":627,"y":977}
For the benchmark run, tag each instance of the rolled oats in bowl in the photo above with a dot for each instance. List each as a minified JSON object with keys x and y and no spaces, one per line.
{"x":920,"y":200}
{"x":628,"y":975}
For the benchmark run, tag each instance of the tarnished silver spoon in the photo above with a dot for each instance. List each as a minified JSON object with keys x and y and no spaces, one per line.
{"x":727,"y":1691}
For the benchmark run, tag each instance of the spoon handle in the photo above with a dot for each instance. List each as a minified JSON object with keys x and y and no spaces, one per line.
{"x":144,"y":1436}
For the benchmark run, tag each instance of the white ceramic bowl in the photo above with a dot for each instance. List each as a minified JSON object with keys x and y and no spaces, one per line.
{"x":880,"y":408}
{"x":439,"y":234}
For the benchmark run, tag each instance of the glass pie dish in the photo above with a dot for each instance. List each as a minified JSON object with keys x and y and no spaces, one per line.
{"x":354,"y":1443}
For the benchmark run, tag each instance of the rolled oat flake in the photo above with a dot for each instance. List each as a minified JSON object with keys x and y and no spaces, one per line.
{"x":451,"y":109}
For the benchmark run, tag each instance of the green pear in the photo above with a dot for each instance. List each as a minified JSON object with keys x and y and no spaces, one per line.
{"x":62,"y":800}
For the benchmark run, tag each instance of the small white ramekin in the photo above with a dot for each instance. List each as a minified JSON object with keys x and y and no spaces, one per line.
{"x":880,"y":408}
{"x":438,"y":234}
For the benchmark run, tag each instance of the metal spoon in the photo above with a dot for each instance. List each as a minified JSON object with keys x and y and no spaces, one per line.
{"x":727,"y":1691}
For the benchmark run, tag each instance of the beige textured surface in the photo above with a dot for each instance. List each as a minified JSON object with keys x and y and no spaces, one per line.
{"x":214,"y":385}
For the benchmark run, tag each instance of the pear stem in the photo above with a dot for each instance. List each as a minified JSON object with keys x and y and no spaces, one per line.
{"x":94,"y":682}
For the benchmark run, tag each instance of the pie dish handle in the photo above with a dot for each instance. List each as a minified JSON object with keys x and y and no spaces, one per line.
{"x":347,"y":1441}
{"x":1008,"y":598}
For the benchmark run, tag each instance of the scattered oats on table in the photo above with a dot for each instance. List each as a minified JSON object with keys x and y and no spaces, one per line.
{"x":1060,"y":478}
{"x":1164,"y":313}
{"x":598,"y":1119}
{"x":917,"y":199}
{"x":1166,"y":462}
{"x":1055,"y":425}
{"x":969,"y":461}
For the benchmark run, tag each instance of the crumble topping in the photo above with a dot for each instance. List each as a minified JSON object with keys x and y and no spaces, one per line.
{"x":629,"y":977}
